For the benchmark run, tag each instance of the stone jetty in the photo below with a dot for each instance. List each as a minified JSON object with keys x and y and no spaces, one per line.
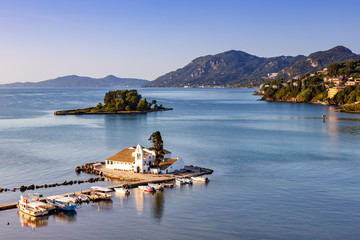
{"x":141,"y":179}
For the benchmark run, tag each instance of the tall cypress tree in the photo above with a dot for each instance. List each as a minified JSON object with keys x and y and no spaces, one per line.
{"x":158,"y":144}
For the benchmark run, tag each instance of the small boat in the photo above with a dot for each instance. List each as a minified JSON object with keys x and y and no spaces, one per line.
{"x":62,"y":203}
{"x":157,"y":186}
{"x":183,"y":181}
{"x":200,"y":179}
{"x":32,"y":207}
{"x":187,"y":180}
{"x":147,"y":188}
{"x":101,"y":192}
{"x":83,"y":198}
{"x":122,"y":190}
{"x":179,"y":181}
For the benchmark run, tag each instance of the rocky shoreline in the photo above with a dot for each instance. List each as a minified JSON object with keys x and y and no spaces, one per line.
{"x":88,"y":111}
{"x":294,"y":100}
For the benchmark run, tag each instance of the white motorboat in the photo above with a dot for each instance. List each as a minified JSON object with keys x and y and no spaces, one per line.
{"x":157,"y":186}
{"x":188,"y":180}
{"x":183,"y":181}
{"x":32,"y":207}
{"x":83,"y":198}
{"x":104,"y":193}
{"x":179,"y":181}
{"x":122,"y":190}
{"x":147,"y":188}
{"x":200,"y":179}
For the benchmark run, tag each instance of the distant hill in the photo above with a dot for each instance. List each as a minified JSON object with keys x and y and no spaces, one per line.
{"x":74,"y":81}
{"x":318,"y":61}
{"x":237,"y":68}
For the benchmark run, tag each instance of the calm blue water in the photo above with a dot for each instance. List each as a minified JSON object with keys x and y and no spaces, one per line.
{"x":280,"y":172}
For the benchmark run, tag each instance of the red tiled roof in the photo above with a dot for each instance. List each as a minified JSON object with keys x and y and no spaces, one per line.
{"x":167,"y":162}
{"x":125,"y":155}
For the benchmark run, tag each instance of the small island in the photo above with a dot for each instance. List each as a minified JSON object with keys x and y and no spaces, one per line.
{"x":337,"y":85}
{"x":119,"y":102}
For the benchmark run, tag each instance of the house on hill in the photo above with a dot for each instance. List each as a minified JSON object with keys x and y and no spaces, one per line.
{"x":140,"y":160}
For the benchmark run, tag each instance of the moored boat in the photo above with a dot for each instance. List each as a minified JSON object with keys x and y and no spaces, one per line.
{"x":157,"y":186}
{"x":200,"y":179}
{"x":182,"y":181}
{"x":101,"y":192}
{"x":187,"y":180}
{"x":62,"y":203}
{"x":179,"y":181}
{"x":147,"y":188}
{"x":83,"y":199}
{"x":122,"y":190}
{"x":32,"y":207}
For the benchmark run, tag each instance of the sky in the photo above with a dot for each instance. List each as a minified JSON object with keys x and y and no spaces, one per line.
{"x":42,"y":39}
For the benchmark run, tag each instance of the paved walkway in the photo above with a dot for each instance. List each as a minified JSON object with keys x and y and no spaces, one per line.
{"x":135,"y":176}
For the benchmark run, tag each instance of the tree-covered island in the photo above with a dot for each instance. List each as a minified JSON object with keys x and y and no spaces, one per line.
{"x":339,"y":84}
{"x":119,"y":102}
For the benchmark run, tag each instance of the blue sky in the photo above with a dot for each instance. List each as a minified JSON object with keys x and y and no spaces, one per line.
{"x":41,"y":40}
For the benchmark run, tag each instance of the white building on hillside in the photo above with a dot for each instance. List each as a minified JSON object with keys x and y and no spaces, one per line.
{"x":139,"y":159}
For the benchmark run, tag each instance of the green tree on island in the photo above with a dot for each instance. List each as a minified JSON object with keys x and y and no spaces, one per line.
{"x":124,"y":100}
{"x":158,"y":144}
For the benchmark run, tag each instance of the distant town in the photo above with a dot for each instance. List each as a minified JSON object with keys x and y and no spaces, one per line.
{"x":339,"y":84}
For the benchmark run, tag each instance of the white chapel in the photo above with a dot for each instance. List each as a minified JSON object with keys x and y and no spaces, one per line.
{"x":139,"y":160}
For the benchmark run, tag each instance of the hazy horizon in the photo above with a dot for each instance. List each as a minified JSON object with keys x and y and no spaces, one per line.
{"x":44,"y":40}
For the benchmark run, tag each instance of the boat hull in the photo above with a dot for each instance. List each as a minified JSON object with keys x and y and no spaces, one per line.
{"x":147,"y":188}
{"x":61,"y":206}
{"x":122,"y":191}
{"x":32,"y":212}
{"x":200,"y":179}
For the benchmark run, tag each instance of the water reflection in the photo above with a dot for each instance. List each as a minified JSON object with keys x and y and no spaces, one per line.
{"x":65,"y":216}
{"x":33,"y":222}
{"x":124,"y":198}
{"x":103,"y":205}
{"x":158,"y":205}
{"x":139,"y":201}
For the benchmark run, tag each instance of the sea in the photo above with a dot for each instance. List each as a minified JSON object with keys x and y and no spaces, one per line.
{"x":280,"y":170}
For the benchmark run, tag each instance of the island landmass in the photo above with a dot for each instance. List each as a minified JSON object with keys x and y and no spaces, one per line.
{"x":119,"y":102}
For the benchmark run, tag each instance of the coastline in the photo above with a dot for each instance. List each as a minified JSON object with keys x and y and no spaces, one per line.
{"x":339,"y":107}
{"x":83,"y":111}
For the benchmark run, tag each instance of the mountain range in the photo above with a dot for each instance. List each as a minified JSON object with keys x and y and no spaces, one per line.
{"x":227,"y":69}
{"x":74,"y":81}
{"x":238,"y":68}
